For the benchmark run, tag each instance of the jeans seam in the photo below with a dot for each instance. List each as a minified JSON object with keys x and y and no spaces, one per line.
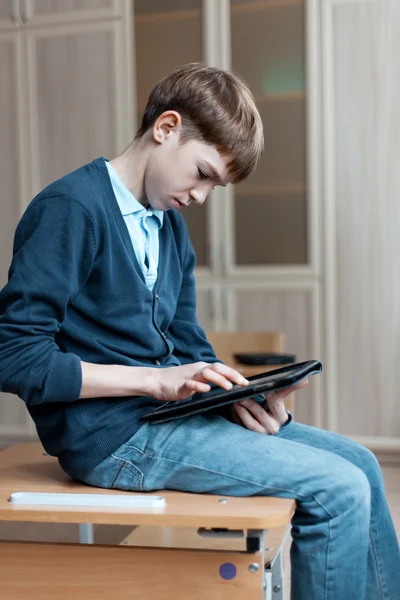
{"x":134,"y":448}
{"x":258,"y":485}
{"x":327,"y":561}
{"x":378,"y":564}
{"x":111,"y":484}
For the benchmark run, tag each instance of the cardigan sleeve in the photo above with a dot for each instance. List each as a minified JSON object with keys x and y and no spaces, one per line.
{"x":54,"y":250}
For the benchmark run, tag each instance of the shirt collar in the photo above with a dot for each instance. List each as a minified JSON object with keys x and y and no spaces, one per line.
{"x":127,"y":202}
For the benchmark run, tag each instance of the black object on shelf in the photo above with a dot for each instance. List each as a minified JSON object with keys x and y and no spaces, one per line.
{"x":264,"y":358}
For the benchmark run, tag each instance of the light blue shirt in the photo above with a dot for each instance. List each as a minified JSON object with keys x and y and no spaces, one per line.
{"x":143,"y":225}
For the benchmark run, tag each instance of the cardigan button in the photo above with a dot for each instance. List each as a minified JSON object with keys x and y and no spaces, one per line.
{"x":156,"y":296}
{"x":157,"y":362}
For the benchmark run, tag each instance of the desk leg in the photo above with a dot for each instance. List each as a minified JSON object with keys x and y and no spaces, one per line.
{"x":86,"y":533}
{"x":274,"y":578}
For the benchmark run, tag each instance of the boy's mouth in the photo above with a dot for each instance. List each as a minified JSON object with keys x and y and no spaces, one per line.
{"x":177,"y":203}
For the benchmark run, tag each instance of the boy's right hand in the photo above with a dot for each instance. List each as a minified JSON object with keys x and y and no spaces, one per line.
{"x":179,"y":383}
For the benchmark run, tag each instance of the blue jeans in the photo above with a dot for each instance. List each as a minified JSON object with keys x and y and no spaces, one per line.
{"x":344,"y":545}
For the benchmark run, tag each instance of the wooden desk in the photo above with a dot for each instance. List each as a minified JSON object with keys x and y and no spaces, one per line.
{"x":38,"y":571}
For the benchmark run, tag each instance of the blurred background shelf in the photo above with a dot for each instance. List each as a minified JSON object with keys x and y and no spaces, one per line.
{"x":177,"y":15}
{"x":262,"y":5}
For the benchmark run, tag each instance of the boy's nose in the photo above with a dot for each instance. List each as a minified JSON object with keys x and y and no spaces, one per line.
{"x":198,"y":196}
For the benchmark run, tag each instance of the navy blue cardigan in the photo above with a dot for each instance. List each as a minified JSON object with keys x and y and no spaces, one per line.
{"x":76,"y":292}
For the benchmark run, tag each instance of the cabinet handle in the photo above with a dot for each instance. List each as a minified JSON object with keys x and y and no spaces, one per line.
{"x":27,"y":10}
{"x":15,"y":16}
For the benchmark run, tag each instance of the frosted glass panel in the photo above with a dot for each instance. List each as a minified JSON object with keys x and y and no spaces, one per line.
{"x":283,"y":161}
{"x":268,"y":47}
{"x":167,"y":35}
{"x":271,"y":206}
{"x":164,"y":40}
{"x":271,"y":229}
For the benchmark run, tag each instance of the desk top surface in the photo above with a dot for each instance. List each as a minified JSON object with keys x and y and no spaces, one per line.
{"x":26,"y":468}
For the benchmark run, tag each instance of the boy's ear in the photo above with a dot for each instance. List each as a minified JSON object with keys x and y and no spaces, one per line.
{"x":168,"y":123}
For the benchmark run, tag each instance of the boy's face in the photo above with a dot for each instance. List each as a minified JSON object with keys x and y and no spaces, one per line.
{"x":178,"y":174}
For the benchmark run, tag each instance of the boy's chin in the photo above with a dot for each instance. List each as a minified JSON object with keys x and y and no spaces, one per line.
{"x":159,"y":205}
{"x":166,"y":204}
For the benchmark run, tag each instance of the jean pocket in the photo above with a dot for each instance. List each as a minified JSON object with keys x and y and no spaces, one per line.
{"x":115,"y":473}
{"x":128,"y":477}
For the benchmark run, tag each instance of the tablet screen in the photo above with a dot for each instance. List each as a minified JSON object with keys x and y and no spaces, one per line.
{"x":268,"y":381}
{"x":283,"y":376}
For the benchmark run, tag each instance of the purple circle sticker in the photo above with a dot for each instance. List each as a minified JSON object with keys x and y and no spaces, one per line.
{"x":228,"y":571}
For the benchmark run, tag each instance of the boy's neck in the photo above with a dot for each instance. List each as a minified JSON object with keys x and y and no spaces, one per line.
{"x":130,"y":166}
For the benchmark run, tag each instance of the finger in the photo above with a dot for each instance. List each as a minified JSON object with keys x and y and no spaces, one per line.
{"x":213,"y":376}
{"x":276,"y":408}
{"x":248,"y":420}
{"x":229,"y":373}
{"x":266,"y":420}
{"x":192,"y":386}
{"x":235,"y":416}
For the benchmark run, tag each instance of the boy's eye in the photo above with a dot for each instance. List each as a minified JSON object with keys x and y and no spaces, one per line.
{"x":202,"y":175}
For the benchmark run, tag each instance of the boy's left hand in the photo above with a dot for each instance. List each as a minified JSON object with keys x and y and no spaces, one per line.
{"x":265,"y":418}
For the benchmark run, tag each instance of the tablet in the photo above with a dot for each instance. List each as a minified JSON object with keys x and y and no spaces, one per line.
{"x":268,"y":382}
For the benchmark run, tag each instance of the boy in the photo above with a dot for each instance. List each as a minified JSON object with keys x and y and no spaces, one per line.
{"x":98,"y":325}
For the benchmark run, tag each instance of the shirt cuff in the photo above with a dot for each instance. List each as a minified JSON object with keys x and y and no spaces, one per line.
{"x":290,"y":419}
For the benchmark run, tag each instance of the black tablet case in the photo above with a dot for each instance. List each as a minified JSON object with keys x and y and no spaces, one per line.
{"x":271,"y":381}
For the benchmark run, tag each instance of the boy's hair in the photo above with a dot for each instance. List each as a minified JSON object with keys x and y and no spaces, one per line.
{"x":217,"y":108}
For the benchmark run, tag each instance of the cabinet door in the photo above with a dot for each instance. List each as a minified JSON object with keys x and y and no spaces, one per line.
{"x":13,"y":413}
{"x":364,"y":204}
{"x":78,"y":90}
{"x":270,"y":212}
{"x":39,"y":12}
{"x":167,"y":35}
